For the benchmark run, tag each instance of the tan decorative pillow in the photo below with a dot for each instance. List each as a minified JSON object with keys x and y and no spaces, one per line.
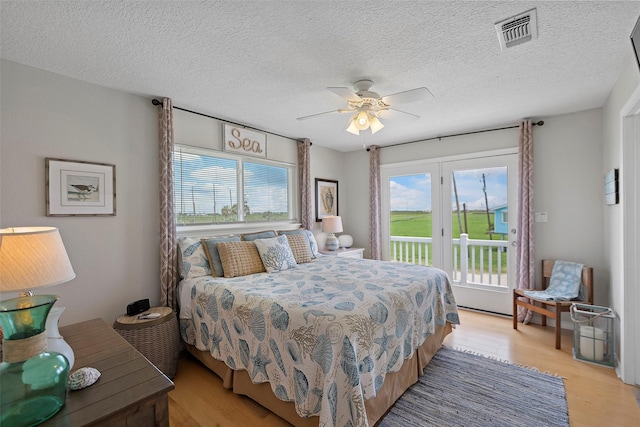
{"x":240,"y":259}
{"x":300,"y":247}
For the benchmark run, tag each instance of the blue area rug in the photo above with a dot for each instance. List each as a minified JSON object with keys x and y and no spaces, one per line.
{"x":464,"y":389}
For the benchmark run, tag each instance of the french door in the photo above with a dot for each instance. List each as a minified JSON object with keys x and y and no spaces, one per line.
{"x":460,"y":216}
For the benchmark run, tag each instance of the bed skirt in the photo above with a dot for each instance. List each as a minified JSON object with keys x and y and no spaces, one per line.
{"x":395,"y":384}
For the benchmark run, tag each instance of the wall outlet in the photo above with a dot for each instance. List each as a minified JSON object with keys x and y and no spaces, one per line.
{"x":540,"y":217}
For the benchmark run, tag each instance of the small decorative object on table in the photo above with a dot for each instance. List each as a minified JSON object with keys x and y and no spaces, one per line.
{"x":155,"y":334}
{"x":346,"y":241}
{"x":82,"y":378}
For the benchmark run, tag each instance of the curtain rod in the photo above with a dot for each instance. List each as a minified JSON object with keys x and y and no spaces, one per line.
{"x":538,"y":123}
{"x":155,"y":101}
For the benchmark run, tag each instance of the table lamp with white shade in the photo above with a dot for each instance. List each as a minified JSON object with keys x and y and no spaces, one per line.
{"x":331,"y":225}
{"x":33,"y":373}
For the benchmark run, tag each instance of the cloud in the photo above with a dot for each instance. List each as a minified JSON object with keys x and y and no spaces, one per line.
{"x":404,"y":198}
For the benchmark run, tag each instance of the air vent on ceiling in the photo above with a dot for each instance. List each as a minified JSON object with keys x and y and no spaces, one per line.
{"x":517,"y":29}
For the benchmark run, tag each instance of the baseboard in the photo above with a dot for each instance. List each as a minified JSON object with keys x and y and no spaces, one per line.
{"x":493,"y":313}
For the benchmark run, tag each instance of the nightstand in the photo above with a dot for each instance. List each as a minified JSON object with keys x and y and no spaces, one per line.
{"x":347,"y":253}
{"x":130,"y":390}
{"x":158,"y":339}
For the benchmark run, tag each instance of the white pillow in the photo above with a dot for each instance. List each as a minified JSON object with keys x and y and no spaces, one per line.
{"x":275,"y":253}
{"x":313,"y":244}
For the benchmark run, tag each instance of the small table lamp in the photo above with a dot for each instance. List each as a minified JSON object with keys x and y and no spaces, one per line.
{"x":331,"y":225}
{"x":35,"y":373}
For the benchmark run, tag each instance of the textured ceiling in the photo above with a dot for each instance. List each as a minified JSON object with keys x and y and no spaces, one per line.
{"x":264,"y":63}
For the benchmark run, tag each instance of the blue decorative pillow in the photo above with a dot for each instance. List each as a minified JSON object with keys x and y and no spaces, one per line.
{"x":275,"y":253}
{"x":194,"y":259}
{"x":259,"y":235}
{"x":211,"y":248}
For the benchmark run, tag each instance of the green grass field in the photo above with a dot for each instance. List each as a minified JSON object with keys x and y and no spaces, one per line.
{"x":418,"y":224}
{"x":186,"y":219}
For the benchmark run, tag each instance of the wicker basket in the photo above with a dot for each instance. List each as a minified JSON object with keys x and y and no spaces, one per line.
{"x":157,"y":339}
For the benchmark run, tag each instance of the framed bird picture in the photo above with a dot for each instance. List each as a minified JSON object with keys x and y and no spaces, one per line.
{"x":78,"y":188}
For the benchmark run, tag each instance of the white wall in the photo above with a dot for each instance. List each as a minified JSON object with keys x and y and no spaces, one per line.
{"x":613,"y":215}
{"x":330,"y":164}
{"x":116,"y":259}
{"x":568,"y":180}
{"x":569,"y":186}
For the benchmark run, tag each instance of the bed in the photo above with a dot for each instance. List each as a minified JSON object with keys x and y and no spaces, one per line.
{"x":331,"y":342}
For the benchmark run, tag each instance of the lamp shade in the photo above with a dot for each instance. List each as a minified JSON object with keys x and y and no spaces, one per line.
{"x":332,"y":224}
{"x":375,"y":124}
{"x":352,"y":128}
{"x":32,"y":257}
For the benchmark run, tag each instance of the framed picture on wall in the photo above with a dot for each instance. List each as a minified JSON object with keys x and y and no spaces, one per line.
{"x":78,"y":188}
{"x":326,"y":198}
{"x":611,"y":187}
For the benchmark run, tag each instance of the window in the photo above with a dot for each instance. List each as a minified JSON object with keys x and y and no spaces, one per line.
{"x":208,"y":185}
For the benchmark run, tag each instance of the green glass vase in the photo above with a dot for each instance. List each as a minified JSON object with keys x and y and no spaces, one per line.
{"x":33,"y":381}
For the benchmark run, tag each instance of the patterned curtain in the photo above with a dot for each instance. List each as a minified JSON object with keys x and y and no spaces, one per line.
{"x":168,"y":244}
{"x":304,"y":178}
{"x":525,"y":259}
{"x":375,"y":236}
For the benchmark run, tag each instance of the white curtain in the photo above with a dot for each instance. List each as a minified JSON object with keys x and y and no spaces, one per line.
{"x":168,"y":243}
{"x":525,"y":255}
{"x":304,"y":179}
{"x":375,"y":236}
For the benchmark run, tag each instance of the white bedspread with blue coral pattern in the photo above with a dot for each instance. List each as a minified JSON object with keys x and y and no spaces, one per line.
{"x":324,"y":334}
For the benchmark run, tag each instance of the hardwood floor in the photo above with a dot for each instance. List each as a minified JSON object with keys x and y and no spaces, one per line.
{"x":595,"y":396}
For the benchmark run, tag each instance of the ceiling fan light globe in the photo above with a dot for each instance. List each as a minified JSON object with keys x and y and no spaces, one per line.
{"x":352,"y":127}
{"x":375,"y":124}
{"x":362,"y":120}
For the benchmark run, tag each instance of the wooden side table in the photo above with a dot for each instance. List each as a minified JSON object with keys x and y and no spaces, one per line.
{"x":349,"y":252}
{"x":130,"y":390}
{"x":158,"y":339}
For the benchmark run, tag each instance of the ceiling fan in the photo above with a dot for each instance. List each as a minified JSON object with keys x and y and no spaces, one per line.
{"x":367,"y":105}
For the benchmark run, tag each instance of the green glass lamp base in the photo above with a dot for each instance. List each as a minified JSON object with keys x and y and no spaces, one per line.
{"x":32,"y":391}
{"x":33,"y":381}
{"x":31,"y":412}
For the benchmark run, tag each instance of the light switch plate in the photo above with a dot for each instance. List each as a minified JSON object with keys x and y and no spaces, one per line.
{"x":540,"y":217}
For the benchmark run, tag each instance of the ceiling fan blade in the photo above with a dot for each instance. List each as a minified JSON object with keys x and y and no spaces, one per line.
{"x":395,"y":110}
{"x":346,"y":93}
{"x":408,"y":96}
{"x":311,"y":116}
{"x":340,"y":111}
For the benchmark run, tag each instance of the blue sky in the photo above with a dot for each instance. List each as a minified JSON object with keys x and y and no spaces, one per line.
{"x":413,"y":192}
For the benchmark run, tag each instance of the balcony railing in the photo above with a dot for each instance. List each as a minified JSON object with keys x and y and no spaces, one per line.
{"x":485,"y":263}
